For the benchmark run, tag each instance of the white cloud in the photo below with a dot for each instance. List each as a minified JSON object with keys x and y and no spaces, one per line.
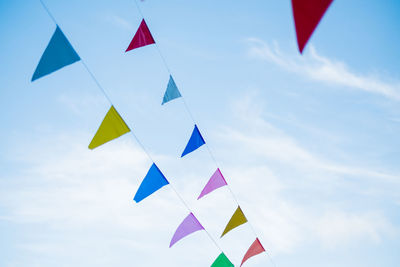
{"x":336,"y":228}
{"x":268,"y":165}
{"x":66,"y":193}
{"x":120,"y":22}
{"x":320,"y":68}
{"x":262,"y":140}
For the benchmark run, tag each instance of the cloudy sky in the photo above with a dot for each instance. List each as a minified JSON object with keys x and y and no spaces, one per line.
{"x":309,"y":144}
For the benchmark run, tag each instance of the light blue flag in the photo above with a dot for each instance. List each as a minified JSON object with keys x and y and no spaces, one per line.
{"x":195,"y":141}
{"x":172,"y":91}
{"x":153,"y":181}
{"x":58,"y":54}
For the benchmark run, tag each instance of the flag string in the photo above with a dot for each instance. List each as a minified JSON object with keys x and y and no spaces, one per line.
{"x":194,"y":121}
{"x":133,"y":134}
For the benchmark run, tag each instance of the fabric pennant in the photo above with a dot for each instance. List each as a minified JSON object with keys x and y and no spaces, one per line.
{"x":195,"y":141}
{"x":255,"y":249}
{"x":189,"y":225}
{"x":172,"y":91}
{"x":58,"y":54}
{"x":152,"y":182}
{"x":112,"y":126}
{"x":307,"y":14}
{"x":237,"y":219}
{"x":216,"y":181}
{"x":142,"y":37}
{"x":222,"y":261}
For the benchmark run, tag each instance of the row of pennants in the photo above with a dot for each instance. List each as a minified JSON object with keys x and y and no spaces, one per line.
{"x":60,"y":53}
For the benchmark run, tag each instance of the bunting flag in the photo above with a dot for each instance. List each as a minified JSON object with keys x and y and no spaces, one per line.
{"x":58,"y":54}
{"x":142,"y":37}
{"x":216,"y":181}
{"x":172,"y":91}
{"x":237,"y":219}
{"x":222,"y":261}
{"x":189,"y":225}
{"x":195,"y":141}
{"x":307,"y":14}
{"x":112,"y":126}
{"x":255,"y":249}
{"x":153,"y":181}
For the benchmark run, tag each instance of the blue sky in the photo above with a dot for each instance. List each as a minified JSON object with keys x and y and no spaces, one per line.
{"x":309,"y":144}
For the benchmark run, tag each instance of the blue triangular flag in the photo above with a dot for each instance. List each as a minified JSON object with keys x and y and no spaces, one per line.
{"x":172,"y":91}
{"x":195,"y":141}
{"x":153,"y":181}
{"x":58,"y":54}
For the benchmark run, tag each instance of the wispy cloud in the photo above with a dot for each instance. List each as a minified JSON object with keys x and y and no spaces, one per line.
{"x":66,"y":193}
{"x":335,"y":228}
{"x":269,"y":163}
{"x":264,"y":140}
{"x":120,"y":22}
{"x":320,"y":68}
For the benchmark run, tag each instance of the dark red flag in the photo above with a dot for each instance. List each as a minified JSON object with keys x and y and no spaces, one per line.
{"x":307,"y":14}
{"x":255,"y":249}
{"x":142,"y":37}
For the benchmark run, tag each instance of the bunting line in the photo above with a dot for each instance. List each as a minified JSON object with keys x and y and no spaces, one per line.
{"x":133,"y":134}
{"x":195,"y":123}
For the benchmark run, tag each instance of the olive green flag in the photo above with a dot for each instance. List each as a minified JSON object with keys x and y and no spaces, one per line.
{"x":222,"y":261}
{"x":237,"y":219}
{"x":113,"y":126}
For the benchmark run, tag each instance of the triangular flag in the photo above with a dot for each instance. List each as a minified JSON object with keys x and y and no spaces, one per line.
{"x":153,"y":181}
{"x":189,"y":225}
{"x":58,"y":54}
{"x":195,"y":141}
{"x":142,"y":37}
{"x":112,"y":126}
{"x":307,"y":14}
{"x":172,"y":91}
{"x":237,"y":219}
{"x":222,"y":261}
{"x":216,"y":181}
{"x":255,"y":249}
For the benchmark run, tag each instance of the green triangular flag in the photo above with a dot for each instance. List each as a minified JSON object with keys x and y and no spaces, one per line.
{"x":113,"y":126}
{"x":237,"y":219}
{"x":222,"y":261}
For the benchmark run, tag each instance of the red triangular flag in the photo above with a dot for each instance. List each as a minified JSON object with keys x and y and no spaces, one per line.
{"x":142,"y":37}
{"x":255,"y":249}
{"x":307,"y":14}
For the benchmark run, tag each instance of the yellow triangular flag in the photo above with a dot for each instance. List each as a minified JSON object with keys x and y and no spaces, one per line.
{"x":237,"y":219}
{"x":113,"y":126}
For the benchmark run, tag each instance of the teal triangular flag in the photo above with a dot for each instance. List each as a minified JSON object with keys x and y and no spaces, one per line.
{"x":172,"y":91}
{"x":58,"y":54}
{"x":195,"y":141}
{"x":153,"y":181}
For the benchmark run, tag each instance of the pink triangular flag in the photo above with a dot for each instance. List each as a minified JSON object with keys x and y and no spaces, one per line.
{"x":142,"y":37}
{"x":189,"y":225}
{"x":255,"y":249}
{"x":216,"y":181}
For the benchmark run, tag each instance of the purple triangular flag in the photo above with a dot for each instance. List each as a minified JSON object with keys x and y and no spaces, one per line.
{"x":216,"y":181}
{"x":189,"y":225}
